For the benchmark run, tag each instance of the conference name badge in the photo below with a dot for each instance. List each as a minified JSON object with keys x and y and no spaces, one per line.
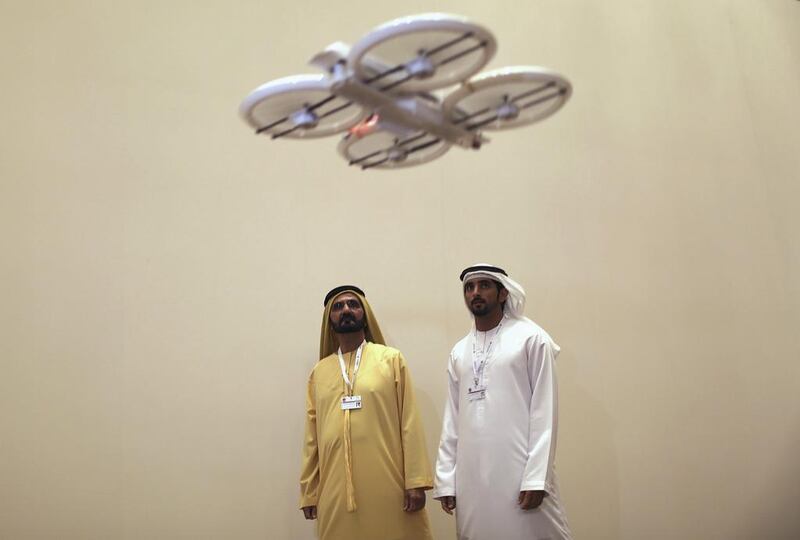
{"x":477,"y":392}
{"x":351,"y":402}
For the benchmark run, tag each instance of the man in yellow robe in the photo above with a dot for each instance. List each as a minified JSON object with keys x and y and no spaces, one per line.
{"x":365,"y":466}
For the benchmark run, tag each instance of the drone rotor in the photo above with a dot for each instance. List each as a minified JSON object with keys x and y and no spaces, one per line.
{"x":507,"y":98}
{"x":384,"y":149}
{"x":422,"y":53}
{"x":299,"y":107}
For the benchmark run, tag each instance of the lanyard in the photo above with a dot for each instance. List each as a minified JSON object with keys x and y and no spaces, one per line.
{"x":478,"y":367}
{"x":355,"y":368}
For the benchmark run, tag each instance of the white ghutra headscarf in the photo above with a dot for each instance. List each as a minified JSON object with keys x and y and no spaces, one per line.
{"x":515,"y":303}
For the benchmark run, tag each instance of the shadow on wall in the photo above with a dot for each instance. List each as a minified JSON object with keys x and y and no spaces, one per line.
{"x":431,"y":420}
{"x":442,"y":526}
{"x":777,"y":516}
{"x":586,"y":459}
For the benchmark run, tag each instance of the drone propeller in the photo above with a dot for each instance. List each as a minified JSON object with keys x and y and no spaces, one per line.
{"x":301,"y":106}
{"x":382,"y":148}
{"x":507,"y":98}
{"x":425,"y":52}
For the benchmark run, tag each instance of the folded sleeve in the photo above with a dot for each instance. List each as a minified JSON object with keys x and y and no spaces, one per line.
{"x":416,"y":464}
{"x":543,"y":411}
{"x":309,"y":475}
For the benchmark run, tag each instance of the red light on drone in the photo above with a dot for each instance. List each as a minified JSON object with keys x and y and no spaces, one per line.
{"x":365,"y":127}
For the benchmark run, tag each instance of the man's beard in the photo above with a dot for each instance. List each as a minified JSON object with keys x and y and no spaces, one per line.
{"x":348,"y":325}
{"x":482,"y":310}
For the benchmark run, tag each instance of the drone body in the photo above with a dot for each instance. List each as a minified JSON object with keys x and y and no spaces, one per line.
{"x":392,"y":94}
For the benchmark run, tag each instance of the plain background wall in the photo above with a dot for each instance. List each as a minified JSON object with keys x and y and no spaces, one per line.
{"x":162,"y":269}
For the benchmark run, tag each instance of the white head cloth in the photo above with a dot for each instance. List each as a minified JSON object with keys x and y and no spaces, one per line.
{"x":515,"y":303}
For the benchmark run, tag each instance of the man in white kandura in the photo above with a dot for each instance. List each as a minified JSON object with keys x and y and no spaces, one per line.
{"x":495,"y":464}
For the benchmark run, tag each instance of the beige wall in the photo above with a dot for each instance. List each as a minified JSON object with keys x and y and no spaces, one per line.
{"x":162,"y":268}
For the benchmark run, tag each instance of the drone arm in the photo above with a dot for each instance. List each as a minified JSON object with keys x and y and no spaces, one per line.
{"x":411,"y":113}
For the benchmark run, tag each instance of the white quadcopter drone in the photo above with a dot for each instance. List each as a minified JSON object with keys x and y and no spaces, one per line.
{"x":381,"y":92}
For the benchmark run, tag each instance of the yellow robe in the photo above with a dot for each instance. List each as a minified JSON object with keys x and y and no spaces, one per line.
{"x":388,"y":450}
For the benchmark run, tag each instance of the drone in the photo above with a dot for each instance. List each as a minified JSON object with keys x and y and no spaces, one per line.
{"x":405,"y":93}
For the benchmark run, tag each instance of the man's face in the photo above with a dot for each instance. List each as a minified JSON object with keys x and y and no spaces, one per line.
{"x":483,"y":296}
{"x":347,"y":314}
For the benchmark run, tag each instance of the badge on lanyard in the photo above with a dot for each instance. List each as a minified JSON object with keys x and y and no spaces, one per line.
{"x":351,"y":402}
{"x":476,"y":393}
{"x":480,"y":358}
